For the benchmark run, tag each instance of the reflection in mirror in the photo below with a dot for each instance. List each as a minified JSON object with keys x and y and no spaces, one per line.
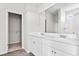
{"x":51,"y":21}
{"x":62,"y":18}
{"x":72,"y":21}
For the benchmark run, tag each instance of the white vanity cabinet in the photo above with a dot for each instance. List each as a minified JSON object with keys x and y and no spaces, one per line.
{"x":46,"y":46}
{"x":50,"y":50}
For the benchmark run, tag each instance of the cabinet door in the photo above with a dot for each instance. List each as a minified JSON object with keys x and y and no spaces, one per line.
{"x":36,"y":46}
{"x":48,"y":51}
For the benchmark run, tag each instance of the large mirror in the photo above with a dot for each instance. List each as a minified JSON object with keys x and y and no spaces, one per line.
{"x":62,"y":18}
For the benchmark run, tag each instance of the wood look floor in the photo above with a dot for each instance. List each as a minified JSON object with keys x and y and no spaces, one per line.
{"x":16,"y":50}
{"x":14,"y":47}
{"x":20,"y":52}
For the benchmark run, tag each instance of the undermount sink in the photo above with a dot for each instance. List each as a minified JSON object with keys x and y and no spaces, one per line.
{"x":72,"y":36}
{"x":42,"y":33}
{"x":52,"y":35}
{"x":63,"y":36}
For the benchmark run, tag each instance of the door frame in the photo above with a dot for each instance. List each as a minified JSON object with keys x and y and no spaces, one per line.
{"x":19,"y":24}
{"x":7,"y":34}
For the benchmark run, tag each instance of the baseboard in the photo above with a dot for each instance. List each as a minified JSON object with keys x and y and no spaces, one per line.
{"x":14,"y":43}
{"x":3,"y":53}
{"x":27,"y":50}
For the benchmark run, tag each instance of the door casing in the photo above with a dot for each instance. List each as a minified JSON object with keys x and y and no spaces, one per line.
{"x":22,"y":38}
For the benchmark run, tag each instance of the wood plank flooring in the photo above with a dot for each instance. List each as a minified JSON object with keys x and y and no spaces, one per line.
{"x":20,"y":52}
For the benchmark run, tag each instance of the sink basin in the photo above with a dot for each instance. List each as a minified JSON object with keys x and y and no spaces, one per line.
{"x":63,"y":36}
{"x":72,"y":36}
{"x":42,"y":33}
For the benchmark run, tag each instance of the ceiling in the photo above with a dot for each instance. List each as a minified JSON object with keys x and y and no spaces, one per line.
{"x":36,"y":6}
{"x":26,"y":6}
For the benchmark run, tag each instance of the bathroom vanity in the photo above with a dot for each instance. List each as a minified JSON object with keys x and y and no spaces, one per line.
{"x":53,"y":44}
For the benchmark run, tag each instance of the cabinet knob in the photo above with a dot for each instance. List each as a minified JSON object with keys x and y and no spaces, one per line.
{"x":52,"y":51}
{"x":55,"y":52}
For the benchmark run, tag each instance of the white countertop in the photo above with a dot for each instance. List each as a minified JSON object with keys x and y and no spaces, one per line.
{"x":52,"y":37}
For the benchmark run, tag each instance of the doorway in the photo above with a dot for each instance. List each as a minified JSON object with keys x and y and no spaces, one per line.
{"x":14,"y":32}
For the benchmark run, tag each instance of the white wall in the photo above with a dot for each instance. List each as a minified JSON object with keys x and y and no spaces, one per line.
{"x":32,"y":25}
{"x":30,"y":22}
{"x":3,"y":32}
{"x":16,"y":8}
